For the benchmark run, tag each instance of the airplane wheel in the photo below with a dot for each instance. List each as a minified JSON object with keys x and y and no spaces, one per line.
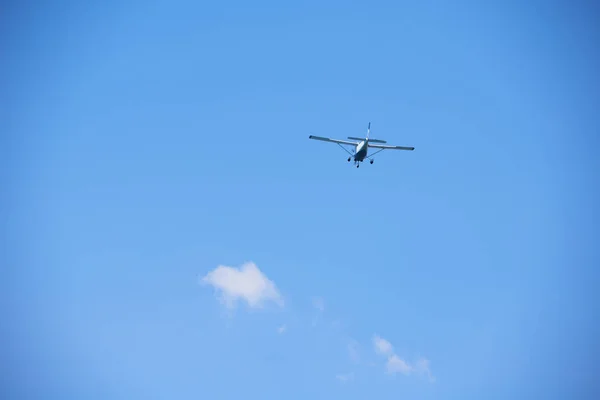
{"x":371,"y":161}
{"x":348,"y":159}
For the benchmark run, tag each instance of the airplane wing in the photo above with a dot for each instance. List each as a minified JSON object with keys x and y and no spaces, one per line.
{"x":380,"y":146}
{"x":324,"y":139}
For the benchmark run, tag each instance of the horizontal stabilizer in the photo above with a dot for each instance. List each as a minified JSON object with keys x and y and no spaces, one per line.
{"x":370,"y":140}
{"x":378,"y":146}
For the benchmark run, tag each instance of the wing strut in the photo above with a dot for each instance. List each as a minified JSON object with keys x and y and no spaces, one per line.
{"x":371,"y":155}
{"x":345,"y":149}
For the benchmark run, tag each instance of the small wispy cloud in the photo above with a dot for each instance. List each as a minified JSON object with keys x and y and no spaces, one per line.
{"x":246,"y":283}
{"x":422,"y":367}
{"x":282,"y":329}
{"x":344,"y":377}
{"x":336,"y":324}
{"x":319,"y":304}
{"x":395,"y":364}
{"x":353,"y":351}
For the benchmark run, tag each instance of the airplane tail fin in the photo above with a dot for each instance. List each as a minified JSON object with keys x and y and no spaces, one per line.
{"x":368,"y":133}
{"x":373,"y":140}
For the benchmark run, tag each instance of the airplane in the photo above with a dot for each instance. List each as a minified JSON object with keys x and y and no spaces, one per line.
{"x":361,"y":147}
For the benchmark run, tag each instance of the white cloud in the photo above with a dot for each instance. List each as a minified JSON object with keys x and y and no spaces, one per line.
{"x":396,"y":364}
{"x":344,"y":377}
{"x":382,"y":346}
{"x":247,"y":283}
{"x":282,"y":329}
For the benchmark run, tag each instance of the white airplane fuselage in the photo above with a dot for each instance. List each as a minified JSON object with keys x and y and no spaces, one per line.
{"x":361,"y":151}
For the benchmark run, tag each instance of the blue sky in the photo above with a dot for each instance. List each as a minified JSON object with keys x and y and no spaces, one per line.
{"x":172,"y":232}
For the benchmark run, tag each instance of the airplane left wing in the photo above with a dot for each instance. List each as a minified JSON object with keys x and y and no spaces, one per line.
{"x":380,"y":146}
{"x":324,"y":139}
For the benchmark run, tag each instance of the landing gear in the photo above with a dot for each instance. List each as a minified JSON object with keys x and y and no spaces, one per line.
{"x":357,"y":165}
{"x":371,"y":161}
{"x":349,"y":159}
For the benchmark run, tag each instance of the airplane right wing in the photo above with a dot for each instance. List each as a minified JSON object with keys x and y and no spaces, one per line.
{"x":324,"y":139}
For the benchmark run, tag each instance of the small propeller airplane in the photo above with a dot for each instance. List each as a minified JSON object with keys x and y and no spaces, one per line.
{"x":362,"y":146}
